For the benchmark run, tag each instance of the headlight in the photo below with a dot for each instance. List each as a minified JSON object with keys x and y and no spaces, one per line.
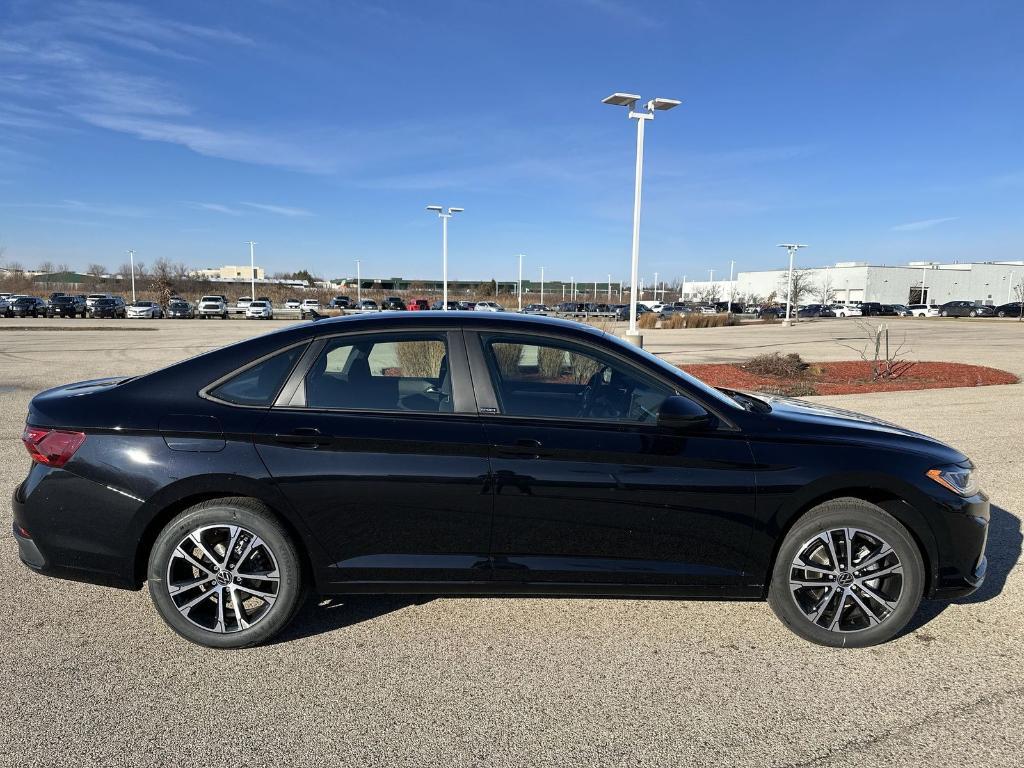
{"x":962,"y":481}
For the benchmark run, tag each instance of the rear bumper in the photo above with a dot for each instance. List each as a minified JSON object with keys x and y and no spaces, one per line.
{"x":72,"y":528}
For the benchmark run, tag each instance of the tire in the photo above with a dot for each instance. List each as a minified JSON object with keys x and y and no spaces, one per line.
{"x":1002,"y":313}
{"x":871,"y":525}
{"x":216,"y":522}
{"x":943,"y":313}
{"x":972,"y":313}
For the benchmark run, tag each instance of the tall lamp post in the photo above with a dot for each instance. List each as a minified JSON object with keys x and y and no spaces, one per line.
{"x":444,"y":214}
{"x":252,"y":269}
{"x":519,"y":285}
{"x":359,"y":284}
{"x":792,"y":248}
{"x":542,"y":286}
{"x":629,"y":101}
{"x":131,"y":260}
{"x":732,"y":265}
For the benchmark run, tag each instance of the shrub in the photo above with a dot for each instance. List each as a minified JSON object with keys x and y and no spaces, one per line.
{"x":647,"y":320}
{"x":693,"y":320}
{"x":776,"y":364}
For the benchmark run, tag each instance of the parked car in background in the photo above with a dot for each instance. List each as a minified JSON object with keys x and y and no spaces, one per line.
{"x":340,"y":302}
{"x":453,"y":306}
{"x":109,"y":308}
{"x":10,"y":298}
{"x":418,"y":305}
{"x":393,"y":303}
{"x":212,"y":306}
{"x":149,"y":310}
{"x":1013,"y":309}
{"x":622,"y":313}
{"x":4,"y":306}
{"x":902,"y":310}
{"x":27,"y":306}
{"x":846,"y":310}
{"x":488,"y":306}
{"x":180,"y":309}
{"x":307,"y":306}
{"x":922,"y":310}
{"x":243,"y":302}
{"x":367,"y":305}
{"x":466,"y":306}
{"x":259,"y":310}
{"x":267,"y":299}
{"x":966,"y":309}
{"x":772,"y":312}
{"x":292,"y":303}
{"x":877,"y":309}
{"x":92,"y":298}
{"x":66,"y":306}
{"x":535,"y":309}
{"x":815,"y":310}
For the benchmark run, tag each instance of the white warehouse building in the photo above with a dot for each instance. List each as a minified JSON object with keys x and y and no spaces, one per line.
{"x":983,"y":283}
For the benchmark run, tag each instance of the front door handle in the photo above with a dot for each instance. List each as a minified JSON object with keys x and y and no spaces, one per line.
{"x":524,"y":448}
{"x":303,"y":436}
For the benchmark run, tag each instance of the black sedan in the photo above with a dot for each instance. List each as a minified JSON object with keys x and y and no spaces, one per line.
{"x":815,"y":310}
{"x":66,"y":306}
{"x":966,"y":309}
{"x":622,"y":313}
{"x":27,"y":306}
{"x":484,"y":453}
{"x":1013,"y":309}
{"x":179,"y":309}
{"x":112,"y":308}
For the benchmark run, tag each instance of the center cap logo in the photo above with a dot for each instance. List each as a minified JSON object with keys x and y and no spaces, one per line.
{"x":224,"y":577}
{"x":845,"y":579}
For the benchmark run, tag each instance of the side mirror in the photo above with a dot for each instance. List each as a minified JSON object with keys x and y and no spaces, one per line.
{"x":682,"y":413}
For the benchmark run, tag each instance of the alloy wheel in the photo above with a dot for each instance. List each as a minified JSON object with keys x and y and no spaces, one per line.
{"x":223,"y":578}
{"x":846,"y":580}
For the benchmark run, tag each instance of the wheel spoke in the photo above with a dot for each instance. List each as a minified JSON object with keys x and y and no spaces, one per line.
{"x":254,"y":542}
{"x":268,"y":576}
{"x":236,"y":603}
{"x":177,"y":589}
{"x":872,"y":618}
{"x":897,"y":568}
{"x":221,"y":627}
{"x":878,"y":597}
{"x":195,"y":601}
{"x":194,"y":536}
{"x":881,"y":554}
{"x":820,"y":607}
{"x":849,"y":549}
{"x":268,"y":596}
{"x":179,"y":552}
{"x":831,"y":550}
{"x":235,"y":531}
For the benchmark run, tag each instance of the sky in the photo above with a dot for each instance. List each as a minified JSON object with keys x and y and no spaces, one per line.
{"x":879,"y":132}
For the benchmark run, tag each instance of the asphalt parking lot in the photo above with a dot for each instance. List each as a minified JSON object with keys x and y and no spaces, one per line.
{"x":92,"y":675}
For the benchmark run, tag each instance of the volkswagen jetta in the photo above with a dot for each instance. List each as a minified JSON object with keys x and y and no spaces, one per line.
{"x":484,"y":453}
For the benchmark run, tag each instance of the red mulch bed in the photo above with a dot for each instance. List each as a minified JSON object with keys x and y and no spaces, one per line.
{"x":851,"y":377}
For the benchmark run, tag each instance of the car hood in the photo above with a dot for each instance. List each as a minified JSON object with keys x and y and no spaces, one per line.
{"x":813,"y":421}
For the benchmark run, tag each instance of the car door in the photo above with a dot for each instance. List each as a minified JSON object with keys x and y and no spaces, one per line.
{"x":375,"y":440}
{"x":588,"y":488}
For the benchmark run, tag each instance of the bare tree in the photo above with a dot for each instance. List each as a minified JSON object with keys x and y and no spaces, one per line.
{"x":802,"y":285}
{"x":96,"y":272}
{"x":63,"y":267}
{"x":887,"y":360}
{"x":826,"y":290}
{"x":46,"y":266}
{"x":709,"y":294}
{"x":124,"y":271}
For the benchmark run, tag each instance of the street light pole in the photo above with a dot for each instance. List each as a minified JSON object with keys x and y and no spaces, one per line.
{"x":359,"y":283}
{"x":519,"y":285}
{"x":732,"y":264}
{"x":609,"y":287}
{"x":131,"y":259}
{"x":629,"y":101}
{"x":792,"y":249}
{"x":252,"y":270}
{"x":444,"y":214}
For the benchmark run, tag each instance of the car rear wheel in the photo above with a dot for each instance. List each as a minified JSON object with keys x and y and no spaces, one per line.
{"x":225,"y":574}
{"x":848,"y":575}
{"x":972,"y":313}
{"x":1002,"y":313}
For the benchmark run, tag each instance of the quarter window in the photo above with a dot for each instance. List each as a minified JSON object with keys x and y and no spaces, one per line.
{"x":259,"y":384}
{"x":392,"y":373}
{"x":557,"y":379}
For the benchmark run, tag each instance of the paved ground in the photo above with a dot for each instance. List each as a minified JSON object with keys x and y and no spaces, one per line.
{"x":91,"y":675}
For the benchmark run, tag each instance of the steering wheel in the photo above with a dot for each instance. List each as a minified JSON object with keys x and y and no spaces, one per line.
{"x":588,"y":395}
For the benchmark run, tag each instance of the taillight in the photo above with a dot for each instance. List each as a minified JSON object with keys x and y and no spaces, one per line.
{"x":52,"y":447}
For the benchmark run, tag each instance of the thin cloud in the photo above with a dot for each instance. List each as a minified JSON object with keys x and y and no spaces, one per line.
{"x":917,"y":226}
{"x":280,"y":210}
{"x":216,"y":208}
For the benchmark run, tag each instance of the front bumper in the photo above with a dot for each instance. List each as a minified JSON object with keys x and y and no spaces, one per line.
{"x":964,"y":565}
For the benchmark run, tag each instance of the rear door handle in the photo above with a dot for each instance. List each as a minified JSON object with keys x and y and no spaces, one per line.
{"x":304,"y":436}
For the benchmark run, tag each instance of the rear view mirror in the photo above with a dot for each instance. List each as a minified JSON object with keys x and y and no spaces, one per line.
{"x":682,"y":413}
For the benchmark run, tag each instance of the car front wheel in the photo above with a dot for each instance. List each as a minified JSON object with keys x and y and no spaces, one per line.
{"x":225,"y":574}
{"x":848,"y":575}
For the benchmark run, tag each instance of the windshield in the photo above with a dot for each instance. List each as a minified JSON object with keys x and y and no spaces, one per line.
{"x":211,"y":298}
{"x":258,"y":304}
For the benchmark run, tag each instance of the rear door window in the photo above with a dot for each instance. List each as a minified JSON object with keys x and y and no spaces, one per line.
{"x":259,"y":384}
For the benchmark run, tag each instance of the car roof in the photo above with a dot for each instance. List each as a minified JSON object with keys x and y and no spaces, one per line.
{"x":469,"y":320}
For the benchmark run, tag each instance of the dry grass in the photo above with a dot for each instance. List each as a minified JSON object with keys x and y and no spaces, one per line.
{"x":421,"y":359}
{"x":776,"y":364}
{"x":693,"y":320}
